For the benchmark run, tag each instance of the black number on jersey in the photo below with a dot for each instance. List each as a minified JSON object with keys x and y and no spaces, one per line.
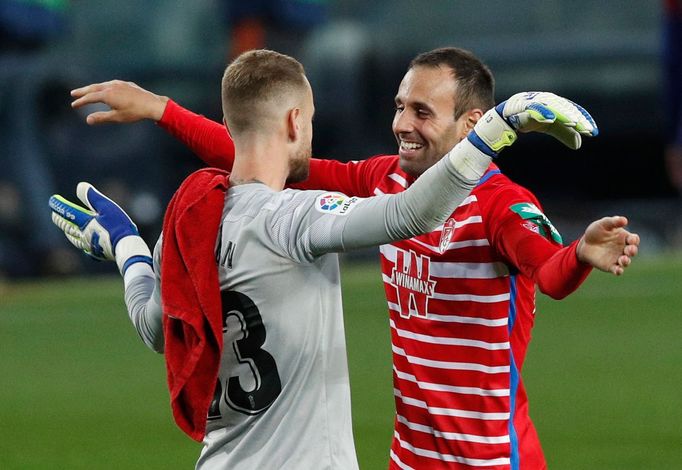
{"x":239,"y":311}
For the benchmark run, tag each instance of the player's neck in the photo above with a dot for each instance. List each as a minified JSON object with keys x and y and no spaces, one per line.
{"x":264,"y":161}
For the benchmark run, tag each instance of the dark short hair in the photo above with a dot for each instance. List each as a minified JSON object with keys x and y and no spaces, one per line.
{"x":475,"y":82}
{"x":252,"y":80}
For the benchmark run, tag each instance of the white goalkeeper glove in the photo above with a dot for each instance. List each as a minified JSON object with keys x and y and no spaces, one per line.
{"x":103,"y":230}
{"x":532,"y":111}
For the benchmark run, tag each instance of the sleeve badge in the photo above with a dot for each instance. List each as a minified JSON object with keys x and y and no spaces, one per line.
{"x":536,"y":221}
{"x":335,"y":203}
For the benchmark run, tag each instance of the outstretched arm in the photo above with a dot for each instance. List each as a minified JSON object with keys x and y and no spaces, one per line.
{"x":436,"y":193}
{"x":105,"y":232}
{"x":208,"y":139}
{"x":606,"y":245}
{"x":558,"y":271}
{"x":131,"y":103}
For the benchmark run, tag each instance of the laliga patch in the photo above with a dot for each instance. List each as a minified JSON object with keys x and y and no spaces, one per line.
{"x":335,"y":203}
{"x":536,"y":221}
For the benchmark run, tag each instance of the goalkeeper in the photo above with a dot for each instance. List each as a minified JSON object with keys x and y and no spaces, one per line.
{"x":461,"y":298}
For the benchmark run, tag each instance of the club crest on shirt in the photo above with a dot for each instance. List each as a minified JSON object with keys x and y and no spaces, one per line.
{"x":335,"y":203}
{"x":446,"y":235}
{"x":411,"y":278}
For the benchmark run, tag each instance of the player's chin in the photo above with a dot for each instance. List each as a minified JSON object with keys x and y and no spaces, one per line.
{"x":411,"y":165}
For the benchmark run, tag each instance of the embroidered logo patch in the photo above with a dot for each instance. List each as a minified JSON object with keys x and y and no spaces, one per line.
{"x":335,"y":203}
{"x":536,"y":221}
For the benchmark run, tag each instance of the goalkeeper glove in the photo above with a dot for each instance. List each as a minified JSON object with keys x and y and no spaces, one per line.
{"x":532,"y":112}
{"x":103,"y":230}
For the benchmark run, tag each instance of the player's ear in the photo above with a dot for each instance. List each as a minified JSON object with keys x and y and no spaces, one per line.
{"x":293,"y":125}
{"x":469,"y":120}
{"x":473,"y":115}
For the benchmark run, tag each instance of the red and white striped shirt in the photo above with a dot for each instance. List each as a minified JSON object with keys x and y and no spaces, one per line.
{"x":462,"y":305}
{"x":450,"y":297}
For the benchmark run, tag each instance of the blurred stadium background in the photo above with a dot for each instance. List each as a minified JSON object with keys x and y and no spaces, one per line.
{"x":80,"y":391}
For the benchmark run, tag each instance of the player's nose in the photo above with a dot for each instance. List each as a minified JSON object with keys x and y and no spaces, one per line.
{"x":403,"y":123}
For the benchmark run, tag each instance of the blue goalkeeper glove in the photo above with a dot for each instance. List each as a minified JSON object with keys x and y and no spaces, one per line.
{"x":532,"y":112}
{"x":103,"y":230}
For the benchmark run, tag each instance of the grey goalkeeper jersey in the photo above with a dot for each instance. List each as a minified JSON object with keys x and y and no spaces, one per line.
{"x":283,"y":396}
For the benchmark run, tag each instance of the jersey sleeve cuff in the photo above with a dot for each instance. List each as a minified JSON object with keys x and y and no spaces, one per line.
{"x":580,"y":269}
{"x":169,"y":112}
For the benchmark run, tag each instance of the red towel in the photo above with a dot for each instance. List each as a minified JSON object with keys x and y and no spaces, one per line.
{"x":190,"y":297}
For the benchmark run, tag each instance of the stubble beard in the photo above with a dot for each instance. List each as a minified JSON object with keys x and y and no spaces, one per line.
{"x":299,"y":166}
{"x":415,"y":167}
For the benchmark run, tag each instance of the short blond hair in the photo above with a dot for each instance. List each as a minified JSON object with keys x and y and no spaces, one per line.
{"x":255,"y":80}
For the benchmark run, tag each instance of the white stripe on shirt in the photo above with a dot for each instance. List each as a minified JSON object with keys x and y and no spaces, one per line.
{"x":450,"y":411}
{"x":468,"y":243}
{"x":469,"y":270}
{"x":452,"y":245}
{"x":449,"y":341}
{"x":468,"y":200}
{"x":448,"y":457}
{"x":398,"y":179}
{"x":501,"y":392}
{"x":449,"y":270}
{"x":469,"y":320}
{"x":450,"y":365}
{"x":457,"y":319}
{"x":453,"y":436}
{"x":486,"y":299}
{"x":399,"y":462}
{"x":458,"y":297}
{"x":455,"y":245}
{"x":473,"y":219}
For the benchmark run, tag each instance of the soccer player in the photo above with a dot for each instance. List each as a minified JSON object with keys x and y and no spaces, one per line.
{"x":461,"y":298}
{"x":261,"y":261}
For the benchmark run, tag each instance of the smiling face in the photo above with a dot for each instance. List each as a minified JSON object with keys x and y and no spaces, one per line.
{"x":424,"y":123}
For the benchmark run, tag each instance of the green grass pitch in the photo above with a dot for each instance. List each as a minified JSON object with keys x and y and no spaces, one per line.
{"x":80,"y":391}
